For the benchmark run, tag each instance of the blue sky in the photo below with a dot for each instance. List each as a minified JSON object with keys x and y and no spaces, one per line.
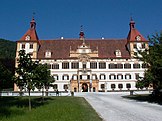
{"x":100,"y":18}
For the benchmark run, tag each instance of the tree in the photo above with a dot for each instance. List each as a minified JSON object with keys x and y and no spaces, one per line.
{"x":24,"y":73}
{"x":5,"y":77}
{"x":153,"y":58}
{"x":42,"y":77}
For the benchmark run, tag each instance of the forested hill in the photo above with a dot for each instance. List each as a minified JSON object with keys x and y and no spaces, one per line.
{"x":7,"y":54}
{"x":7,"y":49}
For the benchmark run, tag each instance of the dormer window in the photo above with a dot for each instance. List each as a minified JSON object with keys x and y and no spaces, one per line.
{"x":138,"y":38}
{"x":118,"y":53}
{"x":48,"y":54}
{"x":27,"y":37}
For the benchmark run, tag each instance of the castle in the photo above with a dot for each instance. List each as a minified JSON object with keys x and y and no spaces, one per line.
{"x":88,"y":65}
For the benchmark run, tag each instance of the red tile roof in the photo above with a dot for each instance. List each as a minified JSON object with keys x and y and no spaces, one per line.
{"x":61,"y":48}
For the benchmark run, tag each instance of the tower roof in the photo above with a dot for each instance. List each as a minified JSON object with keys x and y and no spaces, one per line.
{"x":134,"y":35}
{"x":31,"y":34}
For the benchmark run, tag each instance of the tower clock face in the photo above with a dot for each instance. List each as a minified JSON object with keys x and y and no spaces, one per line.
{"x":27,"y":37}
{"x":138,"y":38}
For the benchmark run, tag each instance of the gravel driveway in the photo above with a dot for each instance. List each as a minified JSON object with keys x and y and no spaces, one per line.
{"x":112,"y":107}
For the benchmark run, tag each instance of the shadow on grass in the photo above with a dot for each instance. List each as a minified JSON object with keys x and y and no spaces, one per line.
{"x":145,"y":98}
{"x":12,"y":106}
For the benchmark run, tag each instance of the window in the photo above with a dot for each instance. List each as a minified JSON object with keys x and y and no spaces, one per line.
{"x":94,"y":77}
{"x":84,"y":65}
{"x":136,"y":65}
{"x":127,"y":76}
{"x":127,"y":65}
{"x":93,"y":65}
{"x":55,"y":66}
{"x":113,"y":86}
{"x":120,"y":86}
{"x":118,"y":53}
{"x":65,"y":65}
{"x":128,"y":85}
{"x":48,"y":54}
{"x":119,"y":66}
{"x":144,"y":65}
{"x":55,"y":77}
{"x":49,"y":66}
{"x":102,"y":86}
{"x":23,"y":46}
{"x":75,"y":65}
{"x":88,"y":76}
{"x":65,"y":86}
{"x":31,"y":46}
{"x":143,"y":45}
{"x":137,"y":76}
{"x":102,"y":76}
{"x":65,"y":77}
{"x":80,"y":76}
{"x":74,"y":77}
{"x":102,"y":65}
{"x":135,"y":46}
{"x":112,"y":76}
{"x":112,"y":66}
{"x":119,"y":76}
{"x":55,"y":86}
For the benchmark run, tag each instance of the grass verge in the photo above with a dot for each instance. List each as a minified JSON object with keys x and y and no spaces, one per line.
{"x":53,"y":109}
{"x":146,"y":98}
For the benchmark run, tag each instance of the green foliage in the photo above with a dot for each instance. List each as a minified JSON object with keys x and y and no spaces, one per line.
{"x":7,"y":63}
{"x":5,"y":78}
{"x":7,"y":49}
{"x":153,"y":57}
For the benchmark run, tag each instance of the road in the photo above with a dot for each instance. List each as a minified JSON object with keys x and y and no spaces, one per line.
{"x":113,"y":107}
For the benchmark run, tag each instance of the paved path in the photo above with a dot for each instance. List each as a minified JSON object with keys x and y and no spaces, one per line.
{"x":112,"y":107}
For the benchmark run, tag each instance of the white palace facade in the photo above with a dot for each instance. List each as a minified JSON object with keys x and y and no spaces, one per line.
{"x":88,"y":65}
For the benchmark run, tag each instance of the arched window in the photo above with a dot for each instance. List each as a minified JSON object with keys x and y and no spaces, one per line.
{"x":119,"y":76}
{"x":127,"y":76}
{"x":113,"y":86}
{"x":55,"y":86}
{"x":102,"y":76}
{"x":65,"y":77}
{"x":55,"y":76}
{"x":120,"y":86}
{"x":128,"y":85}
{"x":112,"y":76}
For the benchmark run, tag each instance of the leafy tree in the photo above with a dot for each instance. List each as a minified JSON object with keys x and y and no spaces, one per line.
{"x":24,"y":71}
{"x":42,"y":77}
{"x":5,"y":77}
{"x":153,"y":58}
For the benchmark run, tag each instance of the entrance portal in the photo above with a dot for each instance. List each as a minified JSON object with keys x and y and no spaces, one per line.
{"x":84,"y":87}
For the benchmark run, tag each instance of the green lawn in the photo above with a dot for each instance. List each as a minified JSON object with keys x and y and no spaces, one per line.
{"x":146,"y":98}
{"x":53,"y":109}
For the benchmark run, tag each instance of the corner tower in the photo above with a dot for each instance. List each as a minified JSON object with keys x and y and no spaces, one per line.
{"x":135,"y":40}
{"x":29,"y":41}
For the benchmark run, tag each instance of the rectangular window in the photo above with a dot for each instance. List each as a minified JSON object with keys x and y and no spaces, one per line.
{"x":93,"y":65}
{"x":55,"y":66}
{"x":23,"y":46}
{"x":49,"y":66}
{"x":112,"y":66}
{"x":75,"y":65}
{"x":127,"y":65}
{"x":31,"y":46}
{"x":119,"y":66}
{"x":102,"y":65}
{"x":136,"y":65}
{"x":143,"y":45}
{"x":65,"y":65}
{"x":135,"y":46}
{"x":137,"y":76}
{"x":84,"y":65}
